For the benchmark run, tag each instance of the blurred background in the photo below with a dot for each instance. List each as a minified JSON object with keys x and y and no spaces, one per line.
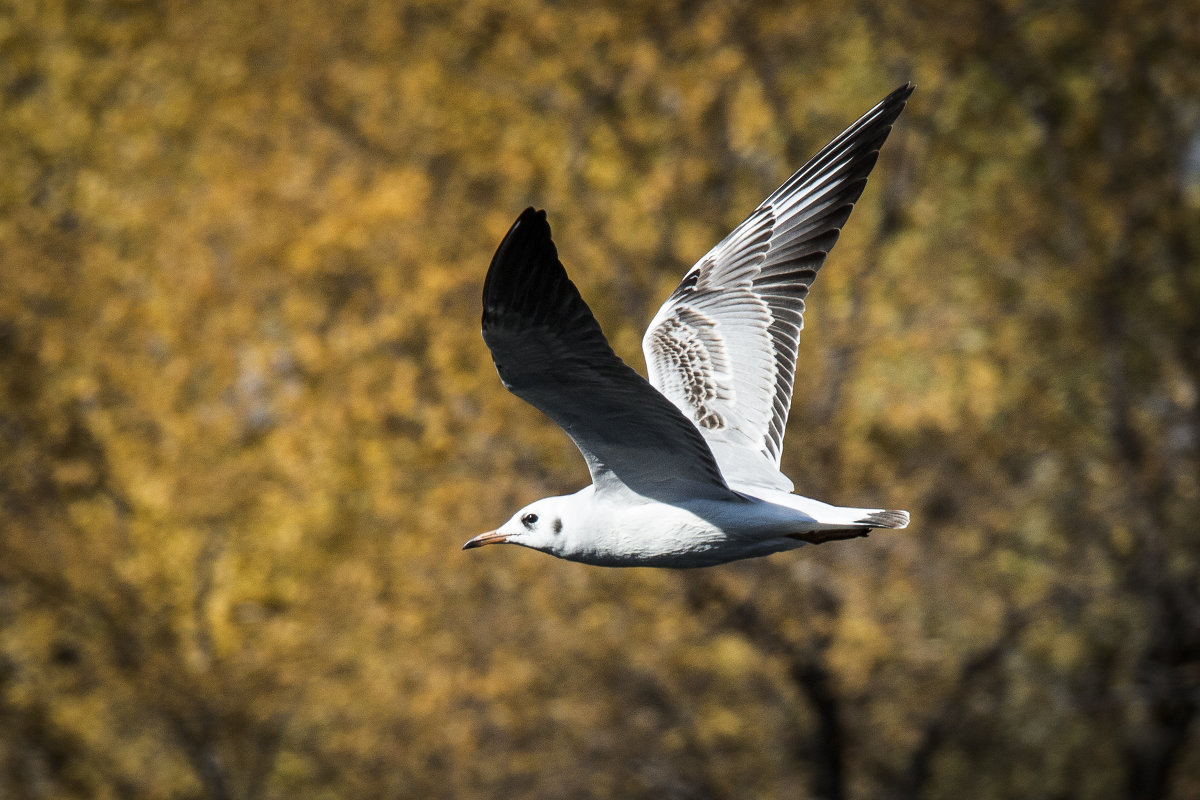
{"x":247,"y":419}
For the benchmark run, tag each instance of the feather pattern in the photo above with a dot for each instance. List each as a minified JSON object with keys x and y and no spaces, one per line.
{"x":723,"y":346}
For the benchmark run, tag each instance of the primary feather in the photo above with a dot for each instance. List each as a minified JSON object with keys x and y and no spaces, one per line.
{"x":723,"y":346}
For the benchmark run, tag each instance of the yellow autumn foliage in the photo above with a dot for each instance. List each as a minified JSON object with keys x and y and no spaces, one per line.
{"x":247,"y":420}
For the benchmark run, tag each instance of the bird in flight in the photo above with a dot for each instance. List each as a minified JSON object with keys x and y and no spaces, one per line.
{"x":685,"y":465}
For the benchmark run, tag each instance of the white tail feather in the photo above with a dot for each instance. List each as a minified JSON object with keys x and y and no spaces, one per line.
{"x":885,"y":519}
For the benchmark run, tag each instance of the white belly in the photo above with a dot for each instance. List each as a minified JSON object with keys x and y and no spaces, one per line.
{"x":695,"y":534}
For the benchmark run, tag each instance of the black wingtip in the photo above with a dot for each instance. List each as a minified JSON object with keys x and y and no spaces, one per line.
{"x":534,"y":224}
{"x":894,"y":103}
{"x":899,"y":95}
{"x":527,"y":242}
{"x":526,"y":280}
{"x":530,"y":214}
{"x":523,"y":226}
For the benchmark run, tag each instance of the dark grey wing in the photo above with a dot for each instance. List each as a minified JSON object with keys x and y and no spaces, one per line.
{"x":550,"y":352}
{"x":723,"y":346}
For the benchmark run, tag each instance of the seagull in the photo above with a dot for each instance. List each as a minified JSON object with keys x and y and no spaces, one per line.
{"x":685,"y":465}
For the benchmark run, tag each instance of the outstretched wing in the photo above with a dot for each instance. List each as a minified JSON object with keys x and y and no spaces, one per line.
{"x":550,"y":352}
{"x":723,"y":346}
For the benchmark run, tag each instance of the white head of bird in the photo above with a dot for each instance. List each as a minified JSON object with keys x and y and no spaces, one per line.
{"x":546,"y":525}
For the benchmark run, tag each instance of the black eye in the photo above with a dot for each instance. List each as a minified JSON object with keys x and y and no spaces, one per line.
{"x":529,"y":520}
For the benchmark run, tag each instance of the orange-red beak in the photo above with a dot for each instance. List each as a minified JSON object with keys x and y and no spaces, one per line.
{"x":491,"y":537}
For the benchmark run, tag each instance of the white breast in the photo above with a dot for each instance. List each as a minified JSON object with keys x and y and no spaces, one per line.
{"x":696,"y":534}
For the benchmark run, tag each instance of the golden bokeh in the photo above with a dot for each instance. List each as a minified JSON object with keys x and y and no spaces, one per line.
{"x":247,"y":419}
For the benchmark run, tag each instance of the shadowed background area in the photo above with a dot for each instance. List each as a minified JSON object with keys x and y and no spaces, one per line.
{"x":247,"y":420}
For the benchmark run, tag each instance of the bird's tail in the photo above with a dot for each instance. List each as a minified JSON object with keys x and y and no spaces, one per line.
{"x":826,"y":517}
{"x":884,"y":519}
{"x":836,"y":524}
